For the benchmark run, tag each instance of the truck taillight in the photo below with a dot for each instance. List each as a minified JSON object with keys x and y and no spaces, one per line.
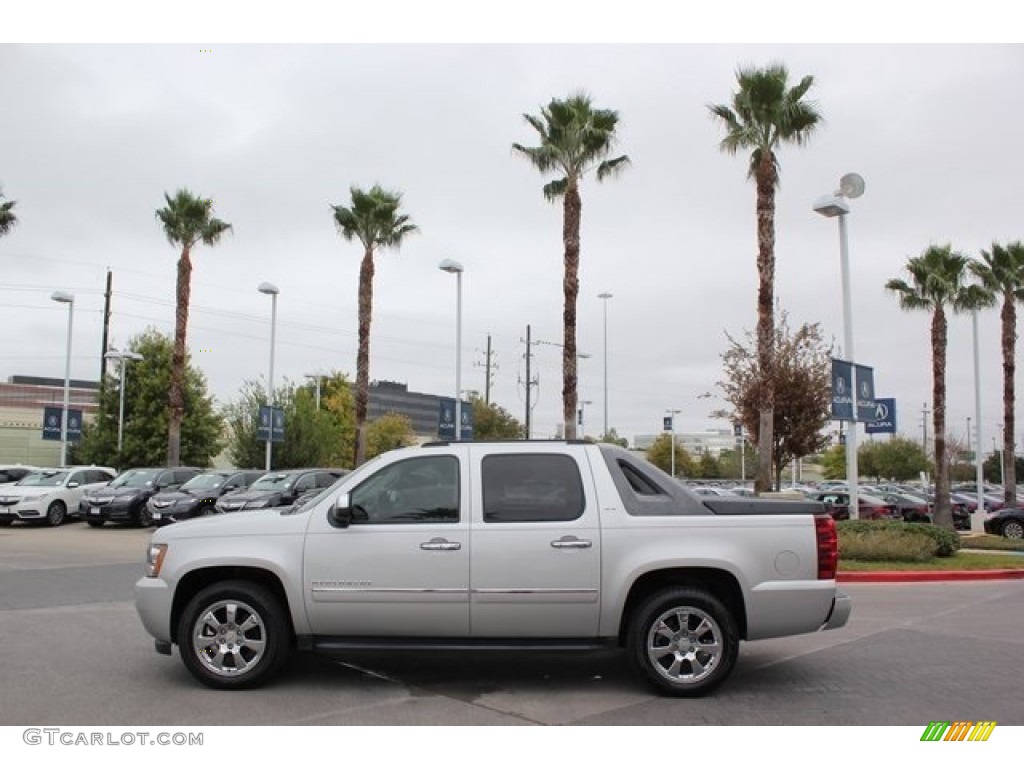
{"x":828,"y":546}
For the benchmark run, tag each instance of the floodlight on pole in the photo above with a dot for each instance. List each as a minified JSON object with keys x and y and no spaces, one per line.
{"x":271,"y":290}
{"x":604,"y":297}
{"x":835,"y":206}
{"x":123,"y":358}
{"x":455,"y":268}
{"x":62,"y":297}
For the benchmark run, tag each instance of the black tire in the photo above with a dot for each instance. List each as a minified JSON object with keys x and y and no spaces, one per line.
{"x":144,"y":518}
{"x":5,"y":523}
{"x":1013,"y":529}
{"x":225,"y":657}
{"x":684,"y":641}
{"x":56,"y":513}
{"x":95,"y":523}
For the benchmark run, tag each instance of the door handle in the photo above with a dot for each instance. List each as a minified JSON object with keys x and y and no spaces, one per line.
{"x":571,"y":542}
{"x":440,"y":544}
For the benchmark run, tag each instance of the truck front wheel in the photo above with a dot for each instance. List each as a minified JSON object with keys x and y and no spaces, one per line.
{"x":233,"y":635}
{"x":684,"y":641}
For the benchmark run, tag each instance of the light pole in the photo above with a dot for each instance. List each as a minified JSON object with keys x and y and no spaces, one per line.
{"x":123,"y":357}
{"x":978,"y":518}
{"x":316,"y":377}
{"x":271,"y":290}
{"x":604,"y":298}
{"x":835,"y":206}
{"x":672,"y":427}
{"x":62,"y":297}
{"x":583,"y":427}
{"x":455,"y":268}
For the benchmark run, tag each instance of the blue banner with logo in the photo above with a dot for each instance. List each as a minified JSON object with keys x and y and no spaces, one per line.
{"x":842,"y":390}
{"x":865,"y":393}
{"x":446,"y":419}
{"x":271,"y":424}
{"x":52,"y":423}
{"x":885,"y":417}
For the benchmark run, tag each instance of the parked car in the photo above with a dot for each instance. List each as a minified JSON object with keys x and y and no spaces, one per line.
{"x":1008,"y":522}
{"x":837,"y":503}
{"x":278,"y":489}
{"x":124,"y":499}
{"x":12,"y":473}
{"x":50,"y":495}
{"x":198,"y":497}
{"x":912,"y":509}
{"x":710,"y":490}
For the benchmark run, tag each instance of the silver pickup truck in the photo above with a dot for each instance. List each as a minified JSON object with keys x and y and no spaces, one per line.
{"x":509,"y":546}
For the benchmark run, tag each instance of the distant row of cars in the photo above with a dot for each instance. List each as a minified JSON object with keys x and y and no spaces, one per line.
{"x":148,"y":496}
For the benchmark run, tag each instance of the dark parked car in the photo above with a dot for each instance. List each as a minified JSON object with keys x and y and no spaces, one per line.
{"x":911,"y":509}
{"x":1008,"y":522}
{"x":837,"y":504}
{"x":198,"y":497}
{"x":279,"y":489}
{"x":124,"y":499}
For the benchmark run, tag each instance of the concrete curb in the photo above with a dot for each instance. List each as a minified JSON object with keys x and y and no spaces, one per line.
{"x":905,"y":576}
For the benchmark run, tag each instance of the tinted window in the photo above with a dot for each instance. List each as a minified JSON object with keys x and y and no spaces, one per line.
{"x":531,"y":488}
{"x":639,"y":482}
{"x":136,"y":478}
{"x":415,"y":490}
{"x":306,"y":483}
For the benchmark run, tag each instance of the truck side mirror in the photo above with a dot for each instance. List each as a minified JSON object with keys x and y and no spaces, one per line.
{"x":340,"y":514}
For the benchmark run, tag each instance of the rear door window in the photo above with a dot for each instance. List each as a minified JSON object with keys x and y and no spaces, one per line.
{"x":520,"y":487}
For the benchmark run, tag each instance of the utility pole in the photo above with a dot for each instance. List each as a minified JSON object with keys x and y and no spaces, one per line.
{"x":106,"y":329}
{"x":489,"y":367}
{"x":924,"y":428}
{"x":530,"y":383}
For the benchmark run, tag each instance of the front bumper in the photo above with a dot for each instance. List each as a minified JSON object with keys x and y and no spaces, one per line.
{"x":112,"y":511}
{"x":153,"y":599}
{"x":29,"y":510}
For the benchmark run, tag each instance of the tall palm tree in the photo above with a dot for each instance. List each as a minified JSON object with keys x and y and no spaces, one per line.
{"x":187,"y":220}
{"x":1001,"y":271}
{"x":575,"y":138}
{"x":7,"y":217}
{"x":937,"y":281}
{"x":764,"y":114}
{"x":374,"y":220}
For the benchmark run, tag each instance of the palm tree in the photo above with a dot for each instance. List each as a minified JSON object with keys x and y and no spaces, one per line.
{"x":374,"y":220}
{"x":937,"y":281}
{"x":7,"y":217}
{"x":766,"y":113}
{"x":1001,"y":272}
{"x":186,"y":220}
{"x":575,"y":138}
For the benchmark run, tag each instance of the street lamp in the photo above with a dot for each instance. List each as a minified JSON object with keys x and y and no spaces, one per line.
{"x":835,"y":206}
{"x":123,"y":357}
{"x":455,"y":268}
{"x":604,"y":297}
{"x":978,"y":518}
{"x":583,"y":427}
{"x":672,"y":426}
{"x":271,"y":290}
{"x":62,"y":297}
{"x":316,"y":378}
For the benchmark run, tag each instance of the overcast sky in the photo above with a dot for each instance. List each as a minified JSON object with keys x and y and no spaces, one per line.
{"x":92,"y":136}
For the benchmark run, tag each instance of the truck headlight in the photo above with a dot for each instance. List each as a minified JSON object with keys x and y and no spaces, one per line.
{"x":155,"y":559}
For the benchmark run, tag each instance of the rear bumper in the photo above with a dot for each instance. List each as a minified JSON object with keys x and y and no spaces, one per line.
{"x":842,"y":605}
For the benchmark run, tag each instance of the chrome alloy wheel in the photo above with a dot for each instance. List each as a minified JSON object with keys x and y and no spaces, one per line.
{"x":229,"y":637}
{"x":685,"y":645}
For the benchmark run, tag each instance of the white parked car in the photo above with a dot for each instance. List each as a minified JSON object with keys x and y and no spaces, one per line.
{"x":12,"y":473}
{"x":50,"y":495}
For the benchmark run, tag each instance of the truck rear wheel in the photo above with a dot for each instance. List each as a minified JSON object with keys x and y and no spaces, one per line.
{"x":684,"y":641}
{"x":233,"y":635}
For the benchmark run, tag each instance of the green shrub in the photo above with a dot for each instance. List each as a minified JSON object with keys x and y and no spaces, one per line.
{"x":894,"y":540}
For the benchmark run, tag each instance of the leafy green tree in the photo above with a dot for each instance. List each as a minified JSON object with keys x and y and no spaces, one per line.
{"x":492,"y":422}
{"x":575,"y":138}
{"x":937,"y":282}
{"x":765,"y":112}
{"x":1001,"y":272}
{"x":900,"y":459}
{"x":146,"y":413}
{"x":801,"y":384}
{"x":312,"y":437}
{"x":833,"y":463}
{"x":7,"y":217}
{"x":187,"y":220}
{"x":708,"y":467}
{"x":374,"y":220}
{"x":660,"y":455}
{"x":611,"y":436}
{"x":390,"y":431}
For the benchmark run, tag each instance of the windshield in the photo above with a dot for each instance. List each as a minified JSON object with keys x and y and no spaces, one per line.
{"x":276,"y":482}
{"x":135,"y":478}
{"x":204,"y":482}
{"x":48,"y":478}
